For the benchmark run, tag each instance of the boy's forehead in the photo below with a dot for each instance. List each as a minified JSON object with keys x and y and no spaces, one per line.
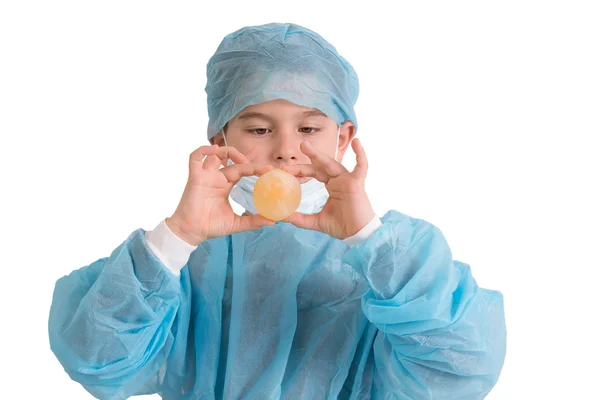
{"x":277,"y":108}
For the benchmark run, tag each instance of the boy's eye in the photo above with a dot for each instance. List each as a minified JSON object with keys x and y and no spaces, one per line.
{"x":258,"y":131}
{"x":309,"y":130}
{"x":263,"y":131}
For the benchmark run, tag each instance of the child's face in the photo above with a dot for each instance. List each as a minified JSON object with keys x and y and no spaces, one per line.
{"x":275,"y":129}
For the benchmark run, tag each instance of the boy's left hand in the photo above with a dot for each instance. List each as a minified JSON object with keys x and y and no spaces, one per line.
{"x":348,"y":208}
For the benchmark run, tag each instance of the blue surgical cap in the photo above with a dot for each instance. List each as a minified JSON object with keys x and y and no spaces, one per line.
{"x":278,"y":61}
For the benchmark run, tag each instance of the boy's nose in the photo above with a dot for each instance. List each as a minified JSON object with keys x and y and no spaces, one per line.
{"x":287,"y":148}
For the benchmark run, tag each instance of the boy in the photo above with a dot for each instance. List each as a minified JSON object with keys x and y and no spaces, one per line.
{"x":334,"y":302}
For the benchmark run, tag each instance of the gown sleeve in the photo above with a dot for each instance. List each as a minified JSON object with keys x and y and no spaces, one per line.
{"x":112,"y":323}
{"x":440,"y":336}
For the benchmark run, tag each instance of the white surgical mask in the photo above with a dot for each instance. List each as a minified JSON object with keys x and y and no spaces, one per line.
{"x":314,"y":193}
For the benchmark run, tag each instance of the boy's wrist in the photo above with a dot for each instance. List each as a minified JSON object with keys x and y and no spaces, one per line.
{"x":364,"y":233}
{"x":178,"y":228}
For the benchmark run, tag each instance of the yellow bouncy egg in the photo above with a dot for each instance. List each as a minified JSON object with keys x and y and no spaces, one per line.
{"x":277,"y":194}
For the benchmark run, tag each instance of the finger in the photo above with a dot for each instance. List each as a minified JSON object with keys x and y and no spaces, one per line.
{"x":223,"y":152}
{"x":248,"y":223}
{"x":362,"y":164}
{"x":308,"y":170}
{"x":211,"y":162}
{"x":303,"y":221}
{"x":331,"y":166}
{"x":200,"y":153}
{"x":235,"y":172}
{"x":230,"y":152}
{"x":206,"y":156}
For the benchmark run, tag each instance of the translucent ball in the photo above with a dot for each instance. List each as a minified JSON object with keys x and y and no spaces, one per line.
{"x":277,"y":194}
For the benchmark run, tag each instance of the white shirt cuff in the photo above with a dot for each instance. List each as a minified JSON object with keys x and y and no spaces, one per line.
{"x":169,"y":248}
{"x":364,"y":233}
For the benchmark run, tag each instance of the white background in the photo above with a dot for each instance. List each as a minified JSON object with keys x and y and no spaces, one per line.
{"x":480,"y":117}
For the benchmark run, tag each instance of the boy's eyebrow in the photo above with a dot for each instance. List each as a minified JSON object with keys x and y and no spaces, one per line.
{"x":250,"y":115}
{"x":314,"y":113}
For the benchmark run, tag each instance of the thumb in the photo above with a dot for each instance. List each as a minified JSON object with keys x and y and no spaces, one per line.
{"x":304,"y":221}
{"x":250,"y":223}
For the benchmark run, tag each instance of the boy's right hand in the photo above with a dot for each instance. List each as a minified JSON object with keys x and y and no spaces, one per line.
{"x":204,"y":211}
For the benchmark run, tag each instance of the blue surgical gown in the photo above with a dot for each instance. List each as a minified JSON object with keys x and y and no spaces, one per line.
{"x":283,"y":313}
